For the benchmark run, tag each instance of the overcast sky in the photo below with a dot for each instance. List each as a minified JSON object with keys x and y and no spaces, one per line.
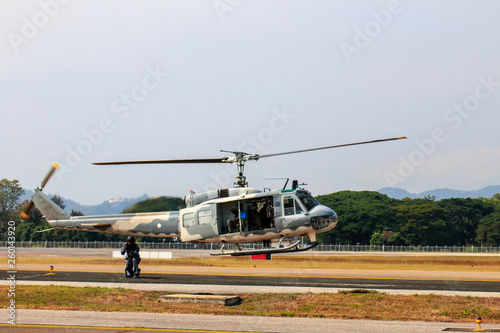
{"x":89,"y":81}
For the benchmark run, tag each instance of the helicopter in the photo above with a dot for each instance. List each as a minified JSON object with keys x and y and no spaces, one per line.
{"x":235,"y":215}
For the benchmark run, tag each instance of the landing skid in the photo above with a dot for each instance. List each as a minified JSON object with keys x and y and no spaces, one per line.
{"x":287,"y":249}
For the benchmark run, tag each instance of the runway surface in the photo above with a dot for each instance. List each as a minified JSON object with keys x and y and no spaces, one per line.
{"x":234,"y":281}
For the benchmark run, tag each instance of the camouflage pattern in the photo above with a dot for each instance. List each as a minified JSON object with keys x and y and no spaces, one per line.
{"x":161,"y":224}
{"x":206,"y":222}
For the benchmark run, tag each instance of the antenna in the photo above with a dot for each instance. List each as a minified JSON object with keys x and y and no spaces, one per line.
{"x":286,"y":183}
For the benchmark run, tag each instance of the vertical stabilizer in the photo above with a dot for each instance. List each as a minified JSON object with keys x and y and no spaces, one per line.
{"x":48,"y":208}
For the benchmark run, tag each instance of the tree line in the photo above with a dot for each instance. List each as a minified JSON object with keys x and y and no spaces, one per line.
{"x":368,"y":217}
{"x":365,"y":217}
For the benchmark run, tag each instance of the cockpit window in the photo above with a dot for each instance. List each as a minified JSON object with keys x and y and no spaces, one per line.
{"x":307,"y":199}
{"x":298,"y":209}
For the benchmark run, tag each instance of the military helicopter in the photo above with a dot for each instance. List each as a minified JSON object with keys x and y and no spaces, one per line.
{"x":229,"y":216}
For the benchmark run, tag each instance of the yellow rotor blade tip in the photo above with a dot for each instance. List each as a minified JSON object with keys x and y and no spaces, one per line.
{"x":55,"y":165}
{"x":23,"y":214}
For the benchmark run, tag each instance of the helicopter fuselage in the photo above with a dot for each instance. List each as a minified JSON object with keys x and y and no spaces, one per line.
{"x":254,"y":216}
{"x":241,"y":215}
{"x":237,"y":215}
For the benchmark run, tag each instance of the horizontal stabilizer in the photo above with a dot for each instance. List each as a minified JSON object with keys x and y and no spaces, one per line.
{"x":44,"y":230}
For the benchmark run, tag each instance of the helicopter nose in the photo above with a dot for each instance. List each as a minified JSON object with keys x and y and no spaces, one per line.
{"x":323,"y":218}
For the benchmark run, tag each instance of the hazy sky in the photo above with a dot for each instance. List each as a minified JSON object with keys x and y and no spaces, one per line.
{"x":89,"y":81}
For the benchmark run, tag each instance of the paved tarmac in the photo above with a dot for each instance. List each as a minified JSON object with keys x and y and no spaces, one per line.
{"x":234,"y":281}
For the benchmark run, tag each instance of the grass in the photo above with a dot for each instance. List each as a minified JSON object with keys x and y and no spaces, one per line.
{"x":346,"y":305}
{"x":461,"y":263}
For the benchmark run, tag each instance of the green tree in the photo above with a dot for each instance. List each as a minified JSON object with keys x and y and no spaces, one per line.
{"x":27,"y":229}
{"x":463,"y":216}
{"x":495,"y":201}
{"x":417,"y":201}
{"x":422,"y":224}
{"x":360,"y":214}
{"x":10,"y":192}
{"x":397,"y":239}
{"x":388,"y":238}
{"x":377,"y":239}
{"x":488,"y":231}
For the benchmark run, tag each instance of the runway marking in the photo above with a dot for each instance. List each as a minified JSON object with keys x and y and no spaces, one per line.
{"x":274,"y":276}
{"x":121,"y":328}
{"x":35,"y":276}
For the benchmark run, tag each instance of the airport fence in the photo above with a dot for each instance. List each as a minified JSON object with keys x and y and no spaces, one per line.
{"x":256,"y":246}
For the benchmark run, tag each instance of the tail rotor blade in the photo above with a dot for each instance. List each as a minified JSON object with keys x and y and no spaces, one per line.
{"x":25,"y":213}
{"x":55,"y":166}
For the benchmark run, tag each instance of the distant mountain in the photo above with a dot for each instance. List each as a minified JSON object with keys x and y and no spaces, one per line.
{"x":440,"y":194}
{"x":112,"y":206}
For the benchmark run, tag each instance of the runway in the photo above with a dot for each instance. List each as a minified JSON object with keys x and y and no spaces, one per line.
{"x":219,"y":280}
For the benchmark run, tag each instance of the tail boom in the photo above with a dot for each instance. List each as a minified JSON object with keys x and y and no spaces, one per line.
{"x":160,"y":224}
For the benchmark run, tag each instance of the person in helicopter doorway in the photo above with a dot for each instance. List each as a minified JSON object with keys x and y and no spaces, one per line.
{"x":131,"y":251}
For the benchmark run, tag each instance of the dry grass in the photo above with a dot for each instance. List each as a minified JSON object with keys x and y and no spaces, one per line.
{"x":462,"y":263}
{"x":354,"y":305}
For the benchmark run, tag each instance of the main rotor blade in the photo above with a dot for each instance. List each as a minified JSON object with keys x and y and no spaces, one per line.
{"x":329,"y":147}
{"x":183,"y":161}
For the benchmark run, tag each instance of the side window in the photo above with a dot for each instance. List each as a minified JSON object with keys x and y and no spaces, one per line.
{"x":298,"y":209}
{"x":188,"y":220}
{"x":204,"y":217}
{"x":288,"y":205}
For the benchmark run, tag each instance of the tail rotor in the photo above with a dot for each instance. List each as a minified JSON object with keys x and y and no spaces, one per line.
{"x":31,"y":204}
